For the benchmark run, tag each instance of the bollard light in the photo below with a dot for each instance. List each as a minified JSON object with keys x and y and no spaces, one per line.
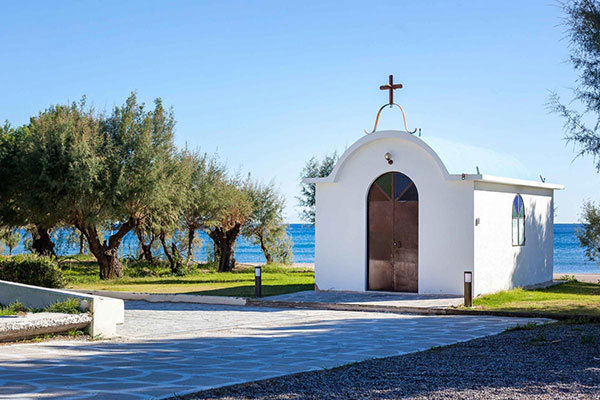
{"x":257,"y":281}
{"x":468,"y":288}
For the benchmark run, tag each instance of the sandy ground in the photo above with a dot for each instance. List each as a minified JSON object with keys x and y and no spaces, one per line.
{"x":593,"y":278}
{"x":294,"y":265}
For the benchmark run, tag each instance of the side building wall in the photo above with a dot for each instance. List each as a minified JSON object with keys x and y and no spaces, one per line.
{"x":498,"y":264}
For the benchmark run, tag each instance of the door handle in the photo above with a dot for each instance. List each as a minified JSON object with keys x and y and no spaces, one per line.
{"x":398,"y":244}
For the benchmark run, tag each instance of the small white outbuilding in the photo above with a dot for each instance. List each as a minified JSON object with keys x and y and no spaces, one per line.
{"x":390,"y":217}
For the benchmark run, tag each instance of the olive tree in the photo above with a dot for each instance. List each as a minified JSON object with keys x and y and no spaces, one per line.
{"x":102,"y":173}
{"x":165,"y":219}
{"x":264,"y":226}
{"x":589,"y":237}
{"x":314,"y":168}
{"x":20,"y":205}
{"x":138,"y":177}
{"x":205,"y":174}
{"x":217,"y":204}
{"x":64,"y":164}
{"x":227,"y":211}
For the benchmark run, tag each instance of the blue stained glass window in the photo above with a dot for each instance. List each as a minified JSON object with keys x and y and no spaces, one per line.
{"x":393,"y":186}
{"x":404,"y":188}
{"x":518,"y":221}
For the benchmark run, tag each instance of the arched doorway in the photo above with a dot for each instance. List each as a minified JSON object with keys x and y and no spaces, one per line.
{"x":393,"y":234}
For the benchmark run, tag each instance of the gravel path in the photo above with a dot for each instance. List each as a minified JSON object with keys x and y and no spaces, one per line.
{"x":548,"y":362}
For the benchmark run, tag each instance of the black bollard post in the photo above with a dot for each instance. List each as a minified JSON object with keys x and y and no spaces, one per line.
{"x":468,"y":288}
{"x":257,"y":282}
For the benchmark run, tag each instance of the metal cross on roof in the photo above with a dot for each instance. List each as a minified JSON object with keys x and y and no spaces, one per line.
{"x":391,"y":87}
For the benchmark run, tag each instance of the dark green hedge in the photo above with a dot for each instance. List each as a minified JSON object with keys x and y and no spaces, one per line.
{"x":31,"y":270}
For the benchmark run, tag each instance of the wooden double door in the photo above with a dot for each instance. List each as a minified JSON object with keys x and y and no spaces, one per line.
{"x":393,"y":236}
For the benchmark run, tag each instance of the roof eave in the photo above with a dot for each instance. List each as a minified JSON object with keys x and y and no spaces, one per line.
{"x":518,"y":182}
{"x":471,"y":177}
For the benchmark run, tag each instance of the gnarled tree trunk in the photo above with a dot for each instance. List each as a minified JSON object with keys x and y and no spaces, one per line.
{"x":146,"y":248}
{"x":106,"y":253}
{"x":191,"y":235}
{"x":224,"y":241}
{"x":81,"y":245}
{"x":42,"y":243}
{"x":265,"y":250}
{"x":173,"y":255}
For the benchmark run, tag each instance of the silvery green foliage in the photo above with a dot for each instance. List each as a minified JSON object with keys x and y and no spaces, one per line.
{"x":281,"y":248}
{"x":218,"y":204}
{"x":264,"y":226}
{"x":314,"y":168}
{"x":589,"y":237}
{"x":96,"y":171}
{"x":10,"y":237}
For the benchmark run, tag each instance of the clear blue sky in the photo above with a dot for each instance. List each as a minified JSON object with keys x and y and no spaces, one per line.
{"x":269,"y":84}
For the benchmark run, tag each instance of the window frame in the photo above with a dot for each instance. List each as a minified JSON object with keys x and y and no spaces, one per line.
{"x":518,"y":220}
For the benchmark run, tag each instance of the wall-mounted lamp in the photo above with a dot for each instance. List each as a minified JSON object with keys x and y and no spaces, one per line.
{"x":388,"y":158}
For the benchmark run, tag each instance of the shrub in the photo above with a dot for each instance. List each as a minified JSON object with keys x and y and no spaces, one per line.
{"x":12,"y":309}
{"x":141,"y":268}
{"x":281,"y":247}
{"x":32,"y":270}
{"x":187,"y":268}
{"x":568,"y":278}
{"x":70,"y":306}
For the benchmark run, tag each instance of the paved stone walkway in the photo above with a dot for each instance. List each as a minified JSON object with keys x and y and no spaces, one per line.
{"x":172,"y":348}
{"x":372,"y":298}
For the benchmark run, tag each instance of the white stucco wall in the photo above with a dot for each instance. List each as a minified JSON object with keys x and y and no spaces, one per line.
{"x":498,"y":264}
{"x":445,"y":216}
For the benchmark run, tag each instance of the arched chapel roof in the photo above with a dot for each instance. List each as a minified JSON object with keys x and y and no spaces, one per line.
{"x":332,"y":178}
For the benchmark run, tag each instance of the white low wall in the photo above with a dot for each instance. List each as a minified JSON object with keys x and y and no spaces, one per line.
{"x":106,"y":312}
{"x":169,"y":297}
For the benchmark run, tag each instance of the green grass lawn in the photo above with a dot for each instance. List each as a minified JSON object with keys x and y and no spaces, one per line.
{"x":206,"y":281}
{"x":572,"y":297}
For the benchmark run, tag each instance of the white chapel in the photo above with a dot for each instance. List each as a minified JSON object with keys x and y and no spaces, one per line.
{"x":390,"y":217}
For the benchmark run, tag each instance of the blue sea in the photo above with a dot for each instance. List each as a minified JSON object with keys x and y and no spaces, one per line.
{"x":568,"y":256}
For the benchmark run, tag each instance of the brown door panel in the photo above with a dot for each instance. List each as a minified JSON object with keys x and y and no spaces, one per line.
{"x":393,"y":237}
{"x":381,"y":275}
{"x":406,"y":246}
{"x":381,"y":245}
{"x":405,"y":277}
